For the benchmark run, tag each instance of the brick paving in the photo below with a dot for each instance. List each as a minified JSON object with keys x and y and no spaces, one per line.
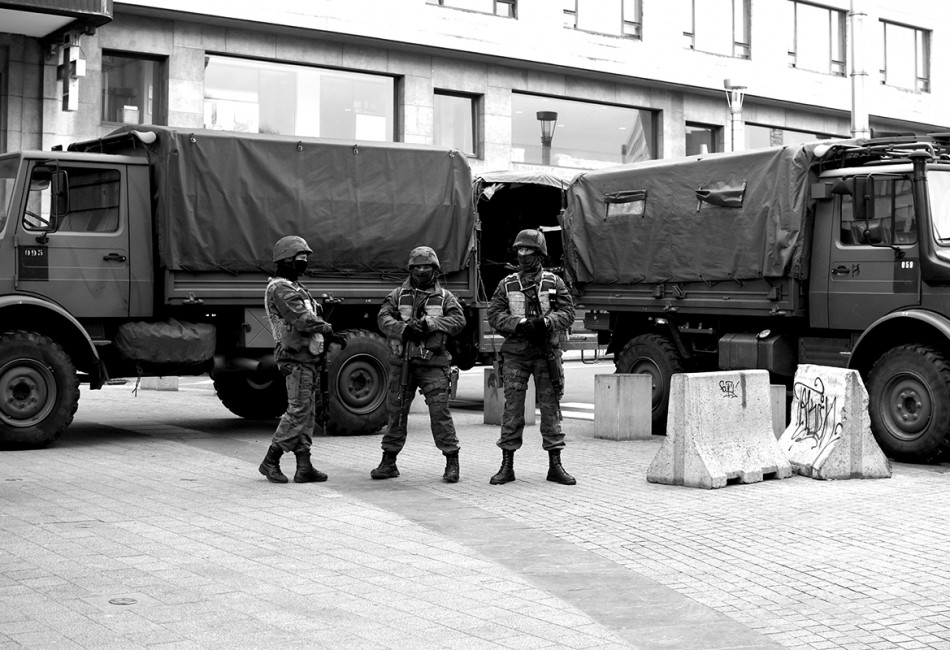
{"x":156,"y":499}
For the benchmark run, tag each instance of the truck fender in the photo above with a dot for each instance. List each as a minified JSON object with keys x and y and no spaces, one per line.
{"x":48,"y":318}
{"x":906,"y":325}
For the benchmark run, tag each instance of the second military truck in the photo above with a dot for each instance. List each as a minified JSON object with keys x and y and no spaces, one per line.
{"x":833,"y":253}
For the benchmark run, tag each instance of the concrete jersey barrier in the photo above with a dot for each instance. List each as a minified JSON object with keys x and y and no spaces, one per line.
{"x":829,"y":436}
{"x":719,"y":429}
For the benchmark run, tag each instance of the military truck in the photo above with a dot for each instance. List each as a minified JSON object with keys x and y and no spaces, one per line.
{"x":833,"y":253}
{"x":146,"y":253}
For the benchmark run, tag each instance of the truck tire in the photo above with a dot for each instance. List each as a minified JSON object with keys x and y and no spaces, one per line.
{"x":252,"y":396}
{"x":909,"y":393}
{"x":39,"y":390}
{"x":359,"y":383}
{"x":654,"y":355}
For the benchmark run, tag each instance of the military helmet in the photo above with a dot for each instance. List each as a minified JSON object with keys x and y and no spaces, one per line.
{"x":289,"y":247}
{"x":531,"y":239}
{"x":423,"y":255}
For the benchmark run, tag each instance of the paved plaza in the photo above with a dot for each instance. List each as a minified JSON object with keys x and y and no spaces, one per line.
{"x":148,"y":526}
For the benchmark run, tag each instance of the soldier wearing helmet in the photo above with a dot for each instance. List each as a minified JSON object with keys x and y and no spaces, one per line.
{"x":418,"y":317}
{"x":300,"y":334}
{"x":532,"y":309}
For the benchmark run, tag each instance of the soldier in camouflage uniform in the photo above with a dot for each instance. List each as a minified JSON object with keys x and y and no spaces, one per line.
{"x":418,"y":317}
{"x":300,"y":334}
{"x":532,"y":309}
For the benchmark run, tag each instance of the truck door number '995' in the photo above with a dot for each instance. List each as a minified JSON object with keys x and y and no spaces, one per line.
{"x":33,"y":263}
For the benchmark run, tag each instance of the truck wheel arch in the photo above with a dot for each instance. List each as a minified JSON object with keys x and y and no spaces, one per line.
{"x":905,"y":326}
{"x":49,"y":319}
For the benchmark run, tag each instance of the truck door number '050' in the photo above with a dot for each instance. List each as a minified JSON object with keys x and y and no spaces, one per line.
{"x":33,"y":263}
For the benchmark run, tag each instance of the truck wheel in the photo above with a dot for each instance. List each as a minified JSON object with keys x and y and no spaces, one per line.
{"x":654,"y":355}
{"x":39,"y":390}
{"x":909,"y":393}
{"x":252,"y":396}
{"x":359,"y":382}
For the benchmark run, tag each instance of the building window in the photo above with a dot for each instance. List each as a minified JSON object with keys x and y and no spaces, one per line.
{"x":586,"y":135}
{"x":132,"y":89}
{"x":905,"y":57}
{"x":505,"y":8}
{"x":264,"y":97}
{"x":818,"y":38}
{"x":719,"y":27}
{"x":456,"y":120}
{"x":702,"y":139}
{"x":758,"y":136}
{"x":614,"y":17}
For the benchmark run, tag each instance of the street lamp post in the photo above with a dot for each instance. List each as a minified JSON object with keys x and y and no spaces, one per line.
{"x":548,"y":121}
{"x":735,"y":93}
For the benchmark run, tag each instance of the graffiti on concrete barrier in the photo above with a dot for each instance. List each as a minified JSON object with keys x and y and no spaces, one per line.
{"x":816,"y":415}
{"x":728,"y":388}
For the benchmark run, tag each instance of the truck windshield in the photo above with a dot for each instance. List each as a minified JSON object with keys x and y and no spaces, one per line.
{"x":939,"y":185}
{"x":8,"y":170}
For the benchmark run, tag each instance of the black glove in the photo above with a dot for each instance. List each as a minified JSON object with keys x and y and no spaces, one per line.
{"x":539,"y":333}
{"x":525,"y":328}
{"x":416,"y":331}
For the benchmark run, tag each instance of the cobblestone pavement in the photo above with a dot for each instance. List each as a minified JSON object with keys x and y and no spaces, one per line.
{"x":156,"y":499}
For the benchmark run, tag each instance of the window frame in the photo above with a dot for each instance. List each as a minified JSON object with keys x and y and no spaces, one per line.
{"x":510,"y":8}
{"x":159,"y":94}
{"x":921,"y":58}
{"x":629,"y":23}
{"x":476,"y":101}
{"x":837,"y":39}
{"x":741,"y":47}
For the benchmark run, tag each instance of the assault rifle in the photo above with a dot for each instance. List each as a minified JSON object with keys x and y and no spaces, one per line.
{"x":404,"y":373}
{"x":542,"y":340}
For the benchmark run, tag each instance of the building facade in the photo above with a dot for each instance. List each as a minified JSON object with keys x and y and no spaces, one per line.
{"x":612,"y":81}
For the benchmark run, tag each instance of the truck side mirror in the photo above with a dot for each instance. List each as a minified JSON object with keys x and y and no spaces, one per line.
{"x":59,"y":198}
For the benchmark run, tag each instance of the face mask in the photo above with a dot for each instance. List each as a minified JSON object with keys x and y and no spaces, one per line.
{"x":422,"y":277}
{"x":300,"y":266}
{"x":530,"y":262}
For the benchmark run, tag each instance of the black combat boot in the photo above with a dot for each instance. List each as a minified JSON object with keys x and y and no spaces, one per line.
{"x":271,"y":465}
{"x":306,"y":472}
{"x":556,"y":472}
{"x":507,"y":472}
{"x":387,"y":466}
{"x":451,"y":474}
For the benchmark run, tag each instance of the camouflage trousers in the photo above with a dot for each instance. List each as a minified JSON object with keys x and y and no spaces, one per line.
{"x":433,"y":382}
{"x":295,"y":430}
{"x":516,"y":372}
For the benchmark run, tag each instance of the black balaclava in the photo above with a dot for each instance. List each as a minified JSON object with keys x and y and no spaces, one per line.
{"x":422,"y":277}
{"x":531,"y":263}
{"x":291,"y":269}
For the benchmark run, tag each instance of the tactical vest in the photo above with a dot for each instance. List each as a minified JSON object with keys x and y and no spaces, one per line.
{"x":435,"y":341}
{"x":279,"y":327}
{"x":517,"y":300}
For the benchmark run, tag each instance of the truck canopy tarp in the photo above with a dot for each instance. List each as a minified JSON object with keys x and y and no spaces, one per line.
{"x":713,"y":218}
{"x":224,"y":199}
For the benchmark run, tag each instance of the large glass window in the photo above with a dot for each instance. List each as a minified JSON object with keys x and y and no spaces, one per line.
{"x":905,"y":57}
{"x":132,"y":89}
{"x":760,"y":136}
{"x":455,"y":121}
{"x":615,"y":17}
{"x":506,"y":8}
{"x":719,"y":27}
{"x":702,"y":139}
{"x":585,"y":135}
{"x":818,"y":38}
{"x":892,"y":219}
{"x":265,"y":97}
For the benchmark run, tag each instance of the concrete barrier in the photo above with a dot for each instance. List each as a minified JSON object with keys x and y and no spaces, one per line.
{"x":495,"y":399}
{"x":623,"y":406}
{"x":829,"y":436}
{"x":159,"y":383}
{"x":719,"y":430}
{"x":779,"y":411}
